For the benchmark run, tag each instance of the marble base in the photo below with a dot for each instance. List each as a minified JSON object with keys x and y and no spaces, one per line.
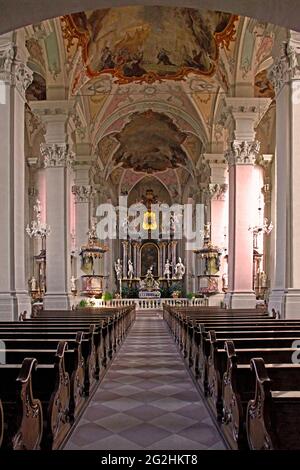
{"x":11,"y":306}
{"x":285,"y":302}
{"x":240,"y":300}
{"x":57,"y":302}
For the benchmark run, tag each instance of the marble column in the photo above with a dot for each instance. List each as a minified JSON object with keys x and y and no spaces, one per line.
{"x":15,"y":77}
{"x":241,"y":157}
{"x":58,"y":158}
{"x":285,"y":75}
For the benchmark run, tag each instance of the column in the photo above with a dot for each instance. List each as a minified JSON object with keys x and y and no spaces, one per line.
{"x":217,"y":192}
{"x":241,"y":157}
{"x":134,"y":244}
{"x":160,"y":267}
{"x":285,"y":75}
{"x":83,"y":193}
{"x":190,"y":262}
{"x":15,"y":77}
{"x":58,"y":158}
{"x":138,"y":268}
{"x":125,"y":258}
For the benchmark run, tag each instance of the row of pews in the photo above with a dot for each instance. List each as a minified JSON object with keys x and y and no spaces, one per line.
{"x":246,"y":364}
{"x":49,"y":365}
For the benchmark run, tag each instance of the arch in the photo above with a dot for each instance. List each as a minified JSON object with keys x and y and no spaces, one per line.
{"x":15,"y":15}
{"x":171,"y":110}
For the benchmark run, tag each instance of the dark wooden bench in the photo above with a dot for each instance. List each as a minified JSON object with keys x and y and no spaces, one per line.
{"x":273,"y":416}
{"x":239,"y":389}
{"x":87,"y":341}
{"x":216,"y":365}
{"x":44,"y":351}
{"x":22,"y":413}
{"x":88,"y":346}
{"x":1,"y":424}
{"x":44,"y":421}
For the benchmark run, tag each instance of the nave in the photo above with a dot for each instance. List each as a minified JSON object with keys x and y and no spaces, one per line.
{"x":147,"y":399}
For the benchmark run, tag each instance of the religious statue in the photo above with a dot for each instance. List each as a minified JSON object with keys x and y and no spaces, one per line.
{"x":32,"y":284}
{"x":130,"y":270}
{"x":149,"y":282}
{"x":207,"y":231}
{"x":118,"y":269}
{"x":73,"y":283}
{"x":167,"y":270}
{"x":179,"y":269}
{"x":263,"y":279}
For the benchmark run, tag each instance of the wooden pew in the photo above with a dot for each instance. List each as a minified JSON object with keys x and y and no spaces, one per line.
{"x":273,"y":416}
{"x":239,"y":389}
{"x":104,"y":330}
{"x":226,"y":376}
{"x":1,"y":424}
{"x":44,"y":351}
{"x":197,"y":352}
{"x":89,"y":345}
{"x":216,"y":365}
{"x":22,"y":413}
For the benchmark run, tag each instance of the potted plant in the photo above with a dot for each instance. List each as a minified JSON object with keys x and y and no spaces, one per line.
{"x":176,"y":294}
{"x":83,"y":303}
{"x":106,"y":296}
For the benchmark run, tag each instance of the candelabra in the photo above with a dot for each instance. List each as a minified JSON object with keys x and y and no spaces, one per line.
{"x":265,"y":228}
{"x":37,"y":228}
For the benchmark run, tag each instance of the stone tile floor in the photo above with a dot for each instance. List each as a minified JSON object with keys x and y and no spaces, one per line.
{"x":147,"y":399}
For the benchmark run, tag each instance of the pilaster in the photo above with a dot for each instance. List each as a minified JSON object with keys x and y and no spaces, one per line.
{"x":15,"y":77}
{"x":285,"y":76}
{"x":58,"y":159}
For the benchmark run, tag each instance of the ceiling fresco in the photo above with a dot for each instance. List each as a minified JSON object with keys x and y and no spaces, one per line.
{"x":150,"y":142}
{"x":146,"y":44}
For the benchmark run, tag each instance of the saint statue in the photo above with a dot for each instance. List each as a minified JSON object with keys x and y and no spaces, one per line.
{"x":179,"y":269}
{"x":118,"y":269}
{"x":32,"y":283}
{"x":167,"y":270}
{"x":73,"y":283}
{"x":263,"y":279}
{"x":130,"y":270}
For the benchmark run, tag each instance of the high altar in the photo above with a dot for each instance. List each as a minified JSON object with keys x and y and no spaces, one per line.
{"x":152,"y":255}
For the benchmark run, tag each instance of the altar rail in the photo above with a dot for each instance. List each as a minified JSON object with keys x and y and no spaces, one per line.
{"x":155,"y":304}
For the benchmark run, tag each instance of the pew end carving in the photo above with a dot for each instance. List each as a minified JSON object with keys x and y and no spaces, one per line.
{"x":30,"y":430}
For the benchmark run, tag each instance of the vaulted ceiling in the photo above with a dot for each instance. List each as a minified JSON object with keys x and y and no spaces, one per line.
{"x":148,"y":85}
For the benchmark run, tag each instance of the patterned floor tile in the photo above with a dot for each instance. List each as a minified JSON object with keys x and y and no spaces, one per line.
{"x":147,"y":399}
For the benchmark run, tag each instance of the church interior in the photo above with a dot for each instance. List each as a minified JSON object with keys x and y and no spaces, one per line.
{"x":149,"y":282}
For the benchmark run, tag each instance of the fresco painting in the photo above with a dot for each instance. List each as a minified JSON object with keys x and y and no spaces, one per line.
{"x":150,"y":43}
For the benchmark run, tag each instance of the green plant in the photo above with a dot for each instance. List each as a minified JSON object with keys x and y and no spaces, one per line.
{"x":175,"y":287}
{"x":125,"y":292}
{"x":191,"y":295}
{"x":83,"y":303}
{"x":107,"y":296}
{"x":165,"y":292}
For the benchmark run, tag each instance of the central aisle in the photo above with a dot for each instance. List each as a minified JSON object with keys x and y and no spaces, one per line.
{"x":147,"y":399}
